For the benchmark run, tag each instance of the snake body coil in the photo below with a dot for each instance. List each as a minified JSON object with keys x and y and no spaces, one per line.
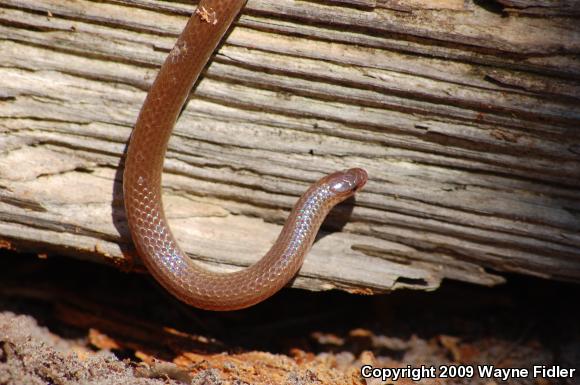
{"x":142,"y":185}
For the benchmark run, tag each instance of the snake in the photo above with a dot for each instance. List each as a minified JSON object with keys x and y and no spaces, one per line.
{"x":154,"y":242}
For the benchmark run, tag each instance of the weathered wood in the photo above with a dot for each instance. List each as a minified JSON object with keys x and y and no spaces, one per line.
{"x":466,"y":121}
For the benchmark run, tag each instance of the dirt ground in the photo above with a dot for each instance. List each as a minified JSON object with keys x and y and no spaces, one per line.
{"x":67,"y":322}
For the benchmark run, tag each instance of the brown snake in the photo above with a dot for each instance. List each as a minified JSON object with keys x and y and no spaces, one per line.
{"x":142,"y":185}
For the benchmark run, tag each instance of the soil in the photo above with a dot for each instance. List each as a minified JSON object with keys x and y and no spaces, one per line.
{"x":70,"y":322}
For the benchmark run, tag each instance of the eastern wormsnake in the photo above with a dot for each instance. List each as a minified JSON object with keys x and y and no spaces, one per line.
{"x":142,"y":185}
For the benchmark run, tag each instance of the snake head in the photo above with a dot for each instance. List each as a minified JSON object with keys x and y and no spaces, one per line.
{"x":343,"y":184}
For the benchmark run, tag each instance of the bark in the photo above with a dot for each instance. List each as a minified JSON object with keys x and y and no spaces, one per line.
{"x":465,"y":114}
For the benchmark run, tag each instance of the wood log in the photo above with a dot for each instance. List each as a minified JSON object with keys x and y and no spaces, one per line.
{"x":466,"y":118}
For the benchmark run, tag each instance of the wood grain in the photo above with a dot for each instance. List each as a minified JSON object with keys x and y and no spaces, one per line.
{"x":466,"y":119}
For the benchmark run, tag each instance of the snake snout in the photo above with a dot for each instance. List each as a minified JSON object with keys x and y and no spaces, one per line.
{"x":359,"y":176}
